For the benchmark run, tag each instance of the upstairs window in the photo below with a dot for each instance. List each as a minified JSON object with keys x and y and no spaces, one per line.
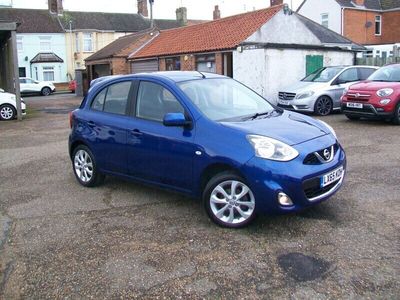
{"x":45,"y":43}
{"x":378,"y":25}
{"x":77,"y":43}
{"x":20,"y":45}
{"x":325,"y":20}
{"x":88,"y":42}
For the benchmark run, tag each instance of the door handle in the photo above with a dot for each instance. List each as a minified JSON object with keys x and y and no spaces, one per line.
{"x":136,"y":132}
{"x":91,"y":124}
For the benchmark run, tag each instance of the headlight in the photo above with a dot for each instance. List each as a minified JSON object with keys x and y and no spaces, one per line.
{"x":304,"y":95}
{"x":384,"y":92}
{"x":330,"y":128}
{"x":269,"y":148}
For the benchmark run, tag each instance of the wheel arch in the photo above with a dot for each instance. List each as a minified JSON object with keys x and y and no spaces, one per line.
{"x":76,"y":144}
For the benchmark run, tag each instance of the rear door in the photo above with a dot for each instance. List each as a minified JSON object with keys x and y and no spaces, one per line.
{"x":344,"y":80}
{"x":106,"y":124}
{"x":156,"y":152}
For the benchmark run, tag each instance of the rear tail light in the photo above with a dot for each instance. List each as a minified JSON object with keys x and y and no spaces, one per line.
{"x":71,"y":119}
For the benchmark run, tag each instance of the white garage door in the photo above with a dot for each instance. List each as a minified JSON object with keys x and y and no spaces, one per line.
{"x":144,"y":66}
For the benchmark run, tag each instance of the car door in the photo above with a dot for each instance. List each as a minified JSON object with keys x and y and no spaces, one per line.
{"x":156,"y":152}
{"x":23,"y":85}
{"x":106,"y":126}
{"x":342,"y":81}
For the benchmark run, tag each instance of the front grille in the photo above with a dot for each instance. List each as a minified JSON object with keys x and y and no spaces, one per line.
{"x":367,"y":109}
{"x":358,"y":97}
{"x":312,"y":159}
{"x":286,"y":96}
{"x":316,"y":190}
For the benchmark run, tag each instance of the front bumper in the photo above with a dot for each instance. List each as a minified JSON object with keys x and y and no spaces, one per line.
{"x":367,"y":111}
{"x":305,"y":104}
{"x":294,"y":178}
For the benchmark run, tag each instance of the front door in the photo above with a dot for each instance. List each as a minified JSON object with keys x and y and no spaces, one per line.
{"x":156,"y":152}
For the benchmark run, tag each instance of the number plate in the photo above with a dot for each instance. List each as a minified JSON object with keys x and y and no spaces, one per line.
{"x":354,"y":105}
{"x":332,"y":176}
{"x":284,"y":102}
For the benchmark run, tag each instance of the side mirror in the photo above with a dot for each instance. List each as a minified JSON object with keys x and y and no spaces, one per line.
{"x":175,"y":119}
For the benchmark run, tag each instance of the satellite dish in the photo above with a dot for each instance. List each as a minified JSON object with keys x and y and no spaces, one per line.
{"x":368,"y":24}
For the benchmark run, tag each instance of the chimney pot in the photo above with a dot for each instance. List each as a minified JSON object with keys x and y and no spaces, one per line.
{"x":216,"y":13}
{"x":276,"y":2}
{"x":142,"y":8}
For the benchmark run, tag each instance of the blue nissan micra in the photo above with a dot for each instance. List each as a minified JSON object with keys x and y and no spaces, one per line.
{"x":208,"y":136}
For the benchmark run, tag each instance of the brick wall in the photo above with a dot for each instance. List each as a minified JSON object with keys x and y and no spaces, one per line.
{"x":355,"y":27}
{"x":219,"y":64}
{"x":188,"y":64}
{"x":119,"y":66}
{"x":161,"y":64}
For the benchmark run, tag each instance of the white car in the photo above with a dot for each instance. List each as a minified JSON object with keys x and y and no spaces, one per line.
{"x":8,"y":106}
{"x":28,"y":86}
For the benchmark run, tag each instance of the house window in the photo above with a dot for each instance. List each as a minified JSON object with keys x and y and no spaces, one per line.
{"x":88,"y":42}
{"x":45,"y":43}
{"x":22,"y":72}
{"x":378,"y":25}
{"x":205,"y":63}
{"x":48,"y":73}
{"x":325,"y":20}
{"x":173,"y":63}
{"x":77,"y":44}
{"x":20,"y":45}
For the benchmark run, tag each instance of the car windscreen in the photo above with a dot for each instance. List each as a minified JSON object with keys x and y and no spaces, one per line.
{"x":323,"y":74}
{"x":224,"y":99}
{"x":386,"y":74}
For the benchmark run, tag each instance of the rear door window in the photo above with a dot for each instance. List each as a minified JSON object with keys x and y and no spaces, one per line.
{"x":349,"y":75}
{"x":364,"y":73}
{"x":113,"y":99}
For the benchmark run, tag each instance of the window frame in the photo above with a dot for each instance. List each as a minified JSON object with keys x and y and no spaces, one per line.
{"x":325,"y":18}
{"x":45,"y":40}
{"x":172,"y":61}
{"x":86,"y":39}
{"x":129,"y":104}
{"x":77,"y":42}
{"x":48,"y":69}
{"x":380,"y":25}
{"x":20,"y":44}
{"x":186,"y":113}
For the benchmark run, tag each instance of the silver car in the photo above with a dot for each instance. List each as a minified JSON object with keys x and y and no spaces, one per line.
{"x":320,"y":92}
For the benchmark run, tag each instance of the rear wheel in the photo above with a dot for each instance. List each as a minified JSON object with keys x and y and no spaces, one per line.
{"x":7,"y":112}
{"x":323,"y":106}
{"x":85,"y":168}
{"x":396,"y":117}
{"x":46,"y":91}
{"x":353,"y":118}
{"x":228,"y":200}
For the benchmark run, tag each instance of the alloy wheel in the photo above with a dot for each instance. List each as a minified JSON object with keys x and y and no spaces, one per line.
{"x":232,"y":202}
{"x":323,"y":106}
{"x":46,"y":91}
{"x":83,"y":165}
{"x":6,"y":113}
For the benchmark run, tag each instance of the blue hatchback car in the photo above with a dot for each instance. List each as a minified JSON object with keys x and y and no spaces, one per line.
{"x":207,"y":136}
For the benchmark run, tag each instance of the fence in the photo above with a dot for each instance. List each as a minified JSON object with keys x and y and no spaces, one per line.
{"x":377,"y":61}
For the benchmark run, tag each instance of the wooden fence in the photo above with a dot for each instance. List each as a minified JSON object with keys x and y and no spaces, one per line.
{"x":377,"y":61}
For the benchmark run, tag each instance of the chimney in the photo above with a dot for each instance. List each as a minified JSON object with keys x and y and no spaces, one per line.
{"x":142,"y":8}
{"x":55,"y":7}
{"x":181,"y":16}
{"x":276,"y":2}
{"x":216,"y":13}
{"x":359,"y":2}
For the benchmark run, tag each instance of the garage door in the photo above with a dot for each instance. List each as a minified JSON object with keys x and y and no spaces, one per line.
{"x":144,"y":66}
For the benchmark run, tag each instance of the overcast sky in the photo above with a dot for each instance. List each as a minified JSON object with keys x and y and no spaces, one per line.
{"x":163,"y":9}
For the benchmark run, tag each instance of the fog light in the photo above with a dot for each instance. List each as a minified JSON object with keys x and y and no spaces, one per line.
{"x":384,"y":101}
{"x":284,"y":199}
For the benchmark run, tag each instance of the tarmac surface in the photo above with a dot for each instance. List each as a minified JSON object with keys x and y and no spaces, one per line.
{"x":126,"y":240}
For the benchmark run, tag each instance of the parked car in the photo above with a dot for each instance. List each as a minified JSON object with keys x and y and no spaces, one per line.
{"x":72,"y":86}
{"x":208,"y":136}
{"x":30,"y":86}
{"x":320,"y":91}
{"x":8,"y":106}
{"x":377,"y":97}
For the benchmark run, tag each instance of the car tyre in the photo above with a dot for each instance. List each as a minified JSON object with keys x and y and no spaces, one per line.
{"x":46,"y":91}
{"x":85,"y":167}
{"x":228,"y":201}
{"x":323,"y":106}
{"x":396,"y":117}
{"x":353,"y":118}
{"x":7,"y":112}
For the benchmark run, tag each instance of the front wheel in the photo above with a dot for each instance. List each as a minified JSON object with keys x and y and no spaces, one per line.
{"x":46,"y":91}
{"x":323,"y":106}
{"x":396,"y":117}
{"x":85,"y":168}
{"x":7,"y":112}
{"x":228,"y":200}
